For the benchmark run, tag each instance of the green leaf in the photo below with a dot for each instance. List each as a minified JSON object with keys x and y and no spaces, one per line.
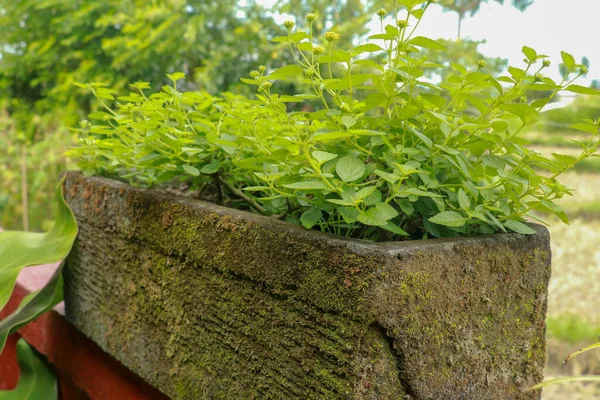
{"x":493,"y":161}
{"x":390,"y":226}
{"x":306,"y":185}
{"x":588,"y":348}
{"x":34,"y":305}
{"x":190,"y":169}
{"x":427,"y":43}
{"x":23,"y":249}
{"x":348,"y":121}
{"x":323,"y":156}
{"x":365,"y":192}
{"x":530,"y":53}
{"x":428,"y":142}
{"x":448,"y":218}
{"x":463,"y":200}
{"x":350,"y":168}
{"x":210,"y":168}
{"x":391,"y":178}
{"x":568,"y":59}
{"x":322,"y":137}
{"x":372,"y":217}
{"x":349,"y":214}
{"x":386,"y":211}
{"x":518,"y":227}
{"x":589,"y":128}
{"x":583,"y":90}
{"x":416,"y":192}
{"x":311,"y":217}
{"x":367,"y":48}
{"x":176,"y":76}
{"x":286,"y":72}
{"x":37,"y":382}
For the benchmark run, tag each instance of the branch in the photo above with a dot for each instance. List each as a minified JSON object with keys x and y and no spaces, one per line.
{"x":241,"y":195}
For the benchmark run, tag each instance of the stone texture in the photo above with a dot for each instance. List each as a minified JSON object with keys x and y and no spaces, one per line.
{"x":206,"y":302}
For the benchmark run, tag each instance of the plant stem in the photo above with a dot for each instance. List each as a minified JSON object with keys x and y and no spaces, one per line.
{"x":251,"y":202}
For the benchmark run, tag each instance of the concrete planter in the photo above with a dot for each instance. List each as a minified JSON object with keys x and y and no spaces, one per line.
{"x":206,"y":302}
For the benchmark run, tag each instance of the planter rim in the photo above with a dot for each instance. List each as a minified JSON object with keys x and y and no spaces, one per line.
{"x":389,"y":247}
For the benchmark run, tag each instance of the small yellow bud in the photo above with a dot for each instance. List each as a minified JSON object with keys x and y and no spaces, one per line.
{"x":583,"y":69}
{"x":538,"y":77}
{"x":481,"y":64}
{"x":345,"y":107}
{"x":289,"y":24}
{"x":382,"y":12}
{"x":265,"y":86}
{"x":402,"y":23}
{"x":331,"y":36}
{"x":261,"y":69}
{"x":546,"y":63}
{"x":254,"y":74}
{"x":318,"y":50}
{"x":311,"y":17}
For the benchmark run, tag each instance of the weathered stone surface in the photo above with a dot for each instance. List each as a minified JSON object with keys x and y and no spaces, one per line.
{"x":206,"y":302}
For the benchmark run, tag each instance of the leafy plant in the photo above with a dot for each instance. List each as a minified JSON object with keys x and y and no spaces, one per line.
{"x":23,"y":249}
{"x":569,"y":379}
{"x":388,"y":154}
{"x":37,"y":382}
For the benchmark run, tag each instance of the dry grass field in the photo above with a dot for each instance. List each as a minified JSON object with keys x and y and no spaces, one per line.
{"x":574,"y":292}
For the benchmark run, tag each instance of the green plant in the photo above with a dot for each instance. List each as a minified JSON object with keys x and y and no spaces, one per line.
{"x":23,"y":249}
{"x":37,"y":382}
{"x":569,"y":379}
{"x":388,"y":154}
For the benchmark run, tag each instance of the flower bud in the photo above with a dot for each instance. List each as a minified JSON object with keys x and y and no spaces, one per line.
{"x":481,"y":64}
{"x":331,"y":36}
{"x":538,"y":77}
{"x":382,"y":12}
{"x":318,"y":50}
{"x":265,"y":86}
{"x":311,"y":17}
{"x":289,"y":24}
{"x":345,"y":107}
{"x":261,"y":69}
{"x":583,"y":69}
{"x":310,"y":72}
{"x":402,"y":23}
{"x":254,"y":74}
{"x":546,"y":63}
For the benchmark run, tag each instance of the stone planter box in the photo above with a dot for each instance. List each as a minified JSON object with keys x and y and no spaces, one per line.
{"x":206,"y":302}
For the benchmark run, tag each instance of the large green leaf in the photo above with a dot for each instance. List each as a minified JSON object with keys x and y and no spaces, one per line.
{"x":37,"y":382}
{"x":24,"y":249}
{"x":34,"y":305}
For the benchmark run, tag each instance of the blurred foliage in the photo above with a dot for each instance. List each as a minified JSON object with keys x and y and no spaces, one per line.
{"x":559,"y":119}
{"x":465,"y":52}
{"x":47,"y":45}
{"x":572,"y":328}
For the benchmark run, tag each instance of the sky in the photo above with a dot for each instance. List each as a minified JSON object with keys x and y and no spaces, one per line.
{"x":548,"y":26}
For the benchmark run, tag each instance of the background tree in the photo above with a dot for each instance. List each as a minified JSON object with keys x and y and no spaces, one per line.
{"x":48,"y":45}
